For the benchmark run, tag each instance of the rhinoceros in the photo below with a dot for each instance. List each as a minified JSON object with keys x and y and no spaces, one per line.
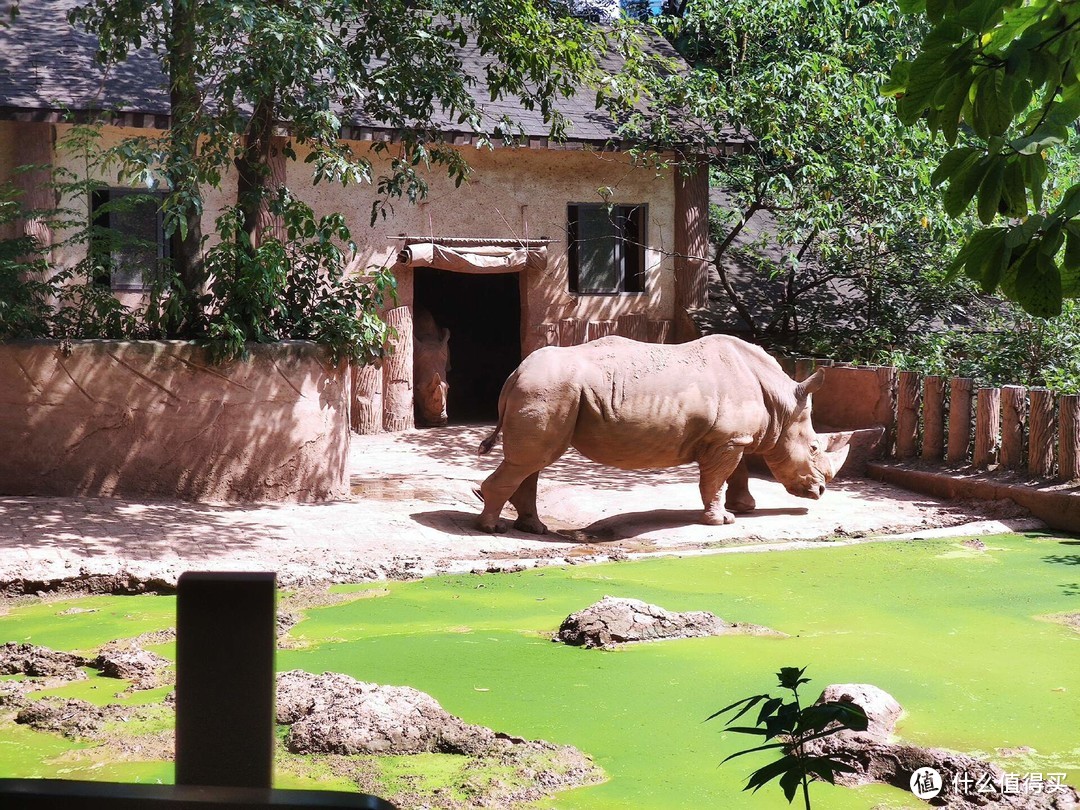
{"x":642,"y":406}
{"x":431,"y":362}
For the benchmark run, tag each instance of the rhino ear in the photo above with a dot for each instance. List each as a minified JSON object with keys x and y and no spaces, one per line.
{"x":445,"y":335}
{"x":810,"y":385}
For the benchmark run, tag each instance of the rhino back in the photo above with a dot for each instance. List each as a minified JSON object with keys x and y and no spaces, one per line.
{"x":641,"y":405}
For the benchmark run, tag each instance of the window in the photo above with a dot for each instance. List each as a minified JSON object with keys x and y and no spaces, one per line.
{"x":607,"y":248}
{"x":128,"y":241}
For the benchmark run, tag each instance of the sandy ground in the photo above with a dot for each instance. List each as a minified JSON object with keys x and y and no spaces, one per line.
{"x":412,"y":513}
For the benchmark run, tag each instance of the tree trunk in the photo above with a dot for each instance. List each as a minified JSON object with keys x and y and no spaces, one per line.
{"x":185,"y":101}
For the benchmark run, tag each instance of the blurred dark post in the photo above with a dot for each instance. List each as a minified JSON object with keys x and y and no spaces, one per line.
{"x":225,"y":637}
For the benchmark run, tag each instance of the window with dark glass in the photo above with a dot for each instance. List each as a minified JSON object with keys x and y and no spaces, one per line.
{"x":128,"y":239}
{"x":607,"y":248}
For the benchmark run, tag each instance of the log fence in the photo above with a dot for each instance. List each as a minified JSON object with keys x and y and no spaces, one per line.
{"x":950,"y":420}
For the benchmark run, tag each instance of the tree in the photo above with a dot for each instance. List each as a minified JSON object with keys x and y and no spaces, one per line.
{"x":842,"y":185}
{"x":239,"y":70}
{"x":997,"y":79}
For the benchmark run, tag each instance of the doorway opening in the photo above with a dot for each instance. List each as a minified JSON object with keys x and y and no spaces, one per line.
{"x":483,"y":314}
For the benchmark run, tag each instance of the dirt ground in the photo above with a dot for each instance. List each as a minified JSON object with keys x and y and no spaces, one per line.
{"x":412,"y":513}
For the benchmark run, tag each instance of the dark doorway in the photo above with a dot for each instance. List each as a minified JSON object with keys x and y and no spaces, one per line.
{"x":483,"y":314}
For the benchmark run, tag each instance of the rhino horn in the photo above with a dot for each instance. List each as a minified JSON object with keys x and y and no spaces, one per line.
{"x":836,"y":453}
{"x":809,"y":385}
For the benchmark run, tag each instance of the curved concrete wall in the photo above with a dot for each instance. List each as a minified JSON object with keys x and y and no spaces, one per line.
{"x":157,"y":418}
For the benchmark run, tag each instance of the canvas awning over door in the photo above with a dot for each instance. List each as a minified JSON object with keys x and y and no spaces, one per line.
{"x":478,"y":258}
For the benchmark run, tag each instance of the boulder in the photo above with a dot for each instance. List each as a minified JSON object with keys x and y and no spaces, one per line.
{"x":40,"y":662}
{"x":335,"y":714}
{"x":142,"y":668}
{"x":614,"y":621}
{"x":881,"y":709}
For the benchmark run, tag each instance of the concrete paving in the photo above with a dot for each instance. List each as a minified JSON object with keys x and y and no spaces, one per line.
{"x":412,"y":513}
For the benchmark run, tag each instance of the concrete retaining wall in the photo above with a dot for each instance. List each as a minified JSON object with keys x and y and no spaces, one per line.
{"x":157,"y":419}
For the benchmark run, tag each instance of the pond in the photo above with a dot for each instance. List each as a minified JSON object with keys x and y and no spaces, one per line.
{"x":968,"y":637}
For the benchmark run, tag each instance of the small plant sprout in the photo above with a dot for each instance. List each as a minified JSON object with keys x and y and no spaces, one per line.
{"x":791,"y":727}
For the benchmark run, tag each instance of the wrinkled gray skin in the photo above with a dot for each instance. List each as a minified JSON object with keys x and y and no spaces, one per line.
{"x":431,"y":361}
{"x":643,"y":406}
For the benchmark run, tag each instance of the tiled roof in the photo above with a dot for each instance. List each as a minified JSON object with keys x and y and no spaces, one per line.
{"x":47,"y":70}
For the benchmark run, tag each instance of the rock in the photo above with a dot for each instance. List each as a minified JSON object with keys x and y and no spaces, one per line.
{"x":142,"y":668}
{"x":76,"y":719}
{"x":881,"y":709}
{"x":40,"y":662}
{"x":967,"y":782}
{"x":621,"y":621}
{"x":335,"y":714}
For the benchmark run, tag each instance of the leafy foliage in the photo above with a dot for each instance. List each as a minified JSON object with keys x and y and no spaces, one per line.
{"x":295,"y":289}
{"x":792,"y":726}
{"x":239,"y":70}
{"x":997,"y":80}
{"x":1006,"y":347}
{"x":830,"y":202}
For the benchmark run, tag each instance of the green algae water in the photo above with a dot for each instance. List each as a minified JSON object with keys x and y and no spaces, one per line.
{"x":964,"y":638}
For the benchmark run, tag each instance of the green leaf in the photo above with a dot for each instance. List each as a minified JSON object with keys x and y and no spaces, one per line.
{"x":790,"y":782}
{"x":992,"y":105}
{"x":765,"y":774}
{"x":990,"y":190}
{"x":963,"y":185}
{"x":952,"y":161}
{"x":1037,"y":141}
{"x":1038,"y":285}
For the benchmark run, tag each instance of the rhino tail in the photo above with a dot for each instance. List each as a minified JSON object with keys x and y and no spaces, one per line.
{"x":489,"y":442}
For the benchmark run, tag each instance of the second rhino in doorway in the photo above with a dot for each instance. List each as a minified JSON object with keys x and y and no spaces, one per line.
{"x":431,"y":362}
{"x":643,"y":406}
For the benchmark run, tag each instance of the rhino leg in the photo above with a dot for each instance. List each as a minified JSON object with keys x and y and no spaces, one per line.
{"x":510,"y":482}
{"x":739,"y":500}
{"x":524,"y":501}
{"x":715,"y":469}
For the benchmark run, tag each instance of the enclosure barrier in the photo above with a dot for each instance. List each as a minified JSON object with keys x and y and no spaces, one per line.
{"x":1007,"y":428}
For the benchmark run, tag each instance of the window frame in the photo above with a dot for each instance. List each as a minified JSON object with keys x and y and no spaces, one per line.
{"x":100,"y":197}
{"x":629,"y":265}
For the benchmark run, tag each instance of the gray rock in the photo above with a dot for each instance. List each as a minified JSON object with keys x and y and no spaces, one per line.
{"x":621,"y":621}
{"x":40,"y":662}
{"x":881,"y":709}
{"x":335,"y":714}
{"x":144,"y":669}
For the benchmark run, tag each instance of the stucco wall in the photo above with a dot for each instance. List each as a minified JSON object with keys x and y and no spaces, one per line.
{"x":157,"y":419}
{"x":511,"y":193}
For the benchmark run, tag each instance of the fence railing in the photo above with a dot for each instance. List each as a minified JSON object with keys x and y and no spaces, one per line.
{"x":951,"y":421}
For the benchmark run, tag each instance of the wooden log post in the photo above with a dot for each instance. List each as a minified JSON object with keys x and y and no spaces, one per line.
{"x":659,"y":331}
{"x":1041,"y":432}
{"x":959,"y":420}
{"x":886,"y":379}
{"x":635,"y":326}
{"x":33,"y":147}
{"x":987,"y":426}
{"x":268,"y":224}
{"x":907,"y":413}
{"x":1068,"y":436}
{"x":1013,"y":419}
{"x":398,"y":374}
{"x":367,"y":400}
{"x":599,"y":329}
{"x":933,"y":437}
{"x":547,"y":334}
{"x":571,"y":332}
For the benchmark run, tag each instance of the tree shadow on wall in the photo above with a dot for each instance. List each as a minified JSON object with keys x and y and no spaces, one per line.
{"x":156,"y":419}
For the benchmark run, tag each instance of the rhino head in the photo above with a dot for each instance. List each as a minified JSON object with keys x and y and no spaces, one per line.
{"x":431,"y":361}
{"x":801,"y":460}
